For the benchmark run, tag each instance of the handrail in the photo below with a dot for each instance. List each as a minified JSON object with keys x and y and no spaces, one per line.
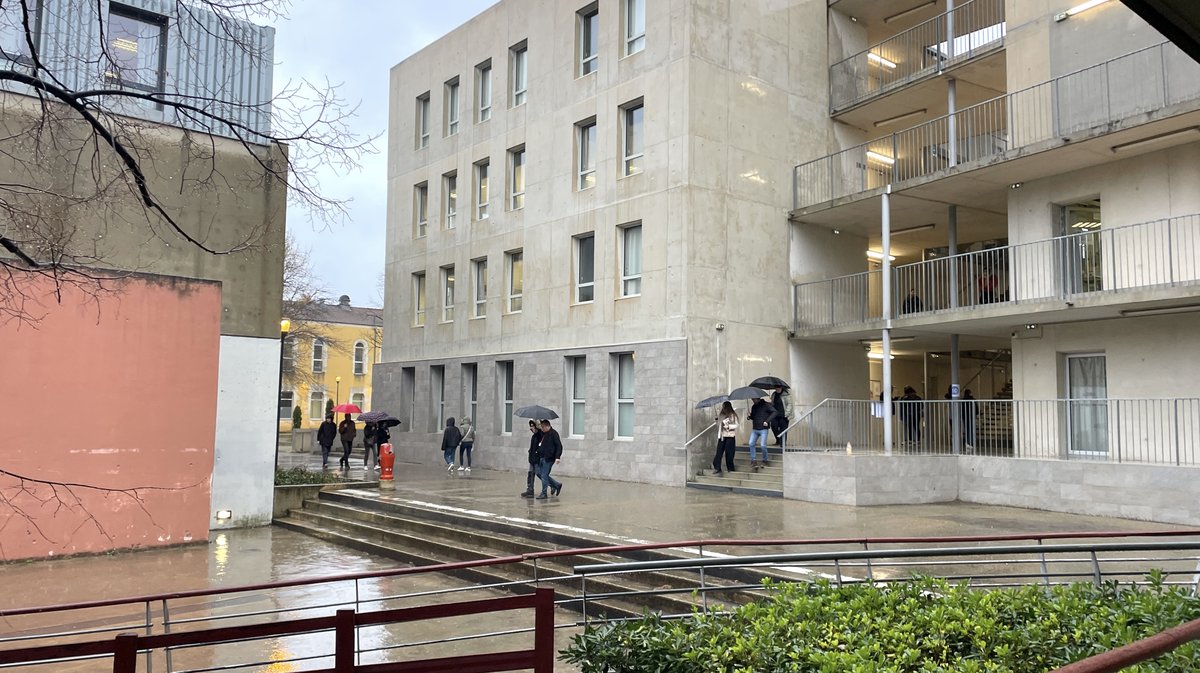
{"x":609,"y":549}
{"x":799,"y":419}
{"x":1136,"y":652}
{"x":699,"y":435}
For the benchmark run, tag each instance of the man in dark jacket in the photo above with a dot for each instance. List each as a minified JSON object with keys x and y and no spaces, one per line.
{"x":535,"y":438}
{"x":549,"y":451}
{"x":325,"y":436}
{"x":451,"y":438}
{"x":347,"y":430}
{"x":910,"y":411}
{"x":761,"y":415}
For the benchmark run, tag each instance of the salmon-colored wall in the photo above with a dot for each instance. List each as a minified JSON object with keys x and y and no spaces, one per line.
{"x":114,"y":400}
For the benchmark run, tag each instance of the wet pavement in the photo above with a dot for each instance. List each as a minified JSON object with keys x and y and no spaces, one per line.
{"x":615,"y":511}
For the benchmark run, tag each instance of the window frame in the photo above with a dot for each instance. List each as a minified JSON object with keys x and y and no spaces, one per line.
{"x":479,"y":272}
{"x":587,"y":34}
{"x":23,"y":56}
{"x":450,"y":199}
{"x":506,"y":389}
{"x":291,"y":396}
{"x":483,"y":91}
{"x":586,"y":134}
{"x":470,"y":381}
{"x":318,"y":363}
{"x":577,"y":364}
{"x":421,"y":209}
{"x":153,"y":19}
{"x":359,"y":359}
{"x":360,"y":394}
{"x":633,"y":42}
{"x":518,"y":70}
{"x":452,"y":99}
{"x":580,"y":283}
{"x":512,"y":260}
{"x":631,"y":279}
{"x":317,"y":396}
{"x":422,"y":125}
{"x":620,"y":402}
{"x":632,"y":158}
{"x":447,"y":286}
{"x":483,"y":193}
{"x":516,"y":184}
{"x":287,"y":355}
{"x":419,"y":306}
{"x":437,"y":395}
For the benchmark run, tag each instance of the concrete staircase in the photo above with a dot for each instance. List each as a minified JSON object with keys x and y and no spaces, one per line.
{"x":764,"y":481}
{"x":424,"y":536}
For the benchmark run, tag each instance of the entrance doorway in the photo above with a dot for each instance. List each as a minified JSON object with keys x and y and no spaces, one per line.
{"x":1087,"y":404}
{"x":1080,"y":249}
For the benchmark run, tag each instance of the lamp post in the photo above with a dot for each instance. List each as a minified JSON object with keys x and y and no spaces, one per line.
{"x":285,"y":326}
{"x":337,"y":390}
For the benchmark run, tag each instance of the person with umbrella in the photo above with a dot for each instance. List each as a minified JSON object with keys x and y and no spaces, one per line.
{"x":347,"y":430}
{"x":727,"y":422}
{"x":382,"y":421}
{"x":550,"y":452}
{"x":535,"y":439}
{"x":761,"y":415}
{"x":781,"y":399}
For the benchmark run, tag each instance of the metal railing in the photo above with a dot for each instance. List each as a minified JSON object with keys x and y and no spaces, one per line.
{"x":248,"y":626}
{"x":1093,"y":261}
{"x":1149,"y":431}
{"x":930,"y":47}
{"x":1124,"y":87}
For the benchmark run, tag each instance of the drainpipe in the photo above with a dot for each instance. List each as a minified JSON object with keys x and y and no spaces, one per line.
{"x":956,"y":391}
{"x":952,"y":121}
{"x":886,"y":217}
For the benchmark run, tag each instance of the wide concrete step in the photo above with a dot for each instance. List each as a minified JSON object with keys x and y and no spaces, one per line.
{"x":734,"y":486}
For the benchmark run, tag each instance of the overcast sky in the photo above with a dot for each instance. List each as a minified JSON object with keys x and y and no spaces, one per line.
{"x":355,"y":43}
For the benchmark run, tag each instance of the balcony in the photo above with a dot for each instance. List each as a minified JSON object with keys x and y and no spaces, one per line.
{"x":1092,"y":267}
{"x":935,"y":46}
{"x":1101,"y":99}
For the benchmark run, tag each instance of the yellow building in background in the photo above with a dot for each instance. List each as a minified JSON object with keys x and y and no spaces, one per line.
{"x":329,"y":355}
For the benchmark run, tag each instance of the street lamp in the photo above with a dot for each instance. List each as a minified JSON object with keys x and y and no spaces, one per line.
{"x":285,"y":326}
{"x":337,"y":390}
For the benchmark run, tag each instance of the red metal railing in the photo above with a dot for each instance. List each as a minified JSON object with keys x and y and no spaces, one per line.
{"x":1136,"y":652}
{"x":126,"y":647}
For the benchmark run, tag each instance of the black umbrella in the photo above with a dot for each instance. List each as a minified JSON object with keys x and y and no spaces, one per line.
{"x":770,"y":382}
{"x":379,"y":418}
{"x":747,"y":393}
{"x":712,"y":401}
{"x":535,"y":411}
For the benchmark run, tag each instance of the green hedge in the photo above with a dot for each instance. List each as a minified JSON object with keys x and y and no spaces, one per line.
{"x":920,"y":626}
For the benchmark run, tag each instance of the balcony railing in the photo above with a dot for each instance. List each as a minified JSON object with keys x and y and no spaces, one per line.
{"x":967,"y":31}
{"x":1130,"y":85}
{"x":1091,"y":262}
{"x":1150,"y":431}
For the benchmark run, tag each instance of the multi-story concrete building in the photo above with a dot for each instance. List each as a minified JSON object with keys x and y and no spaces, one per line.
{"x":851,"y":194}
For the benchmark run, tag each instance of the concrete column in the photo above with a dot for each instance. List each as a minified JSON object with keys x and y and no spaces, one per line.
{"x":955,"y":416}
{"x":886,"y":224}
{"x":951,"y":120}
{"x":949,"y":29}
{"x":952,"y":271}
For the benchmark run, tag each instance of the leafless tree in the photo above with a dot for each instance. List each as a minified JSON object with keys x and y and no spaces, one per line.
{"x":304,"y":299}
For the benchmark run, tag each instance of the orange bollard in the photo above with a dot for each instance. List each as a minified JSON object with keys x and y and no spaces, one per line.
{"x":387,"y":460}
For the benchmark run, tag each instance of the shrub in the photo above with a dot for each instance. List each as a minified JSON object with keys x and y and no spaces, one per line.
{"x":919,"y":626}
{"x":328,"y":406}
{"x":298,"y":476}
{"x":296,"y":418}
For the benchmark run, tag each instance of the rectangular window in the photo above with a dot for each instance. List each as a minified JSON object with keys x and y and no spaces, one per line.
{"x":585,"y":268}
{"x":481,"y":190}
{"x":316,"y":405}
{"x":318,"y":356}
{"x":635,"y":26}
{"x":516,"y":169}
{"x":625,"y":395}
{"x":470,"y":379}
{"x":288,"y":356}
{"x":631,"y":260}
{"x":480,"y":300}
{"x":14,"y":45}
{"x":504,"y":371}
{"x":136,"y":52}
{"x":451,"y":99}
{"x":359,"y":400}
{"x":447,"y":294}
{"x":634,"y":141}
{"x":408,"y":397}
{"x":577,"y":384}
{"x":421,"y":209}
{"x":585,"y":150}
{"x":360,"y":358}
{"x":516,"y":281}
{"x":450,"y":188}
{"x":518,"y":58}
{"x":418,"y":300}
{"x":287,"y":400}
{"x":437,"y":393}
{"x":588,"y":38}
{"x":423,"y":120}
{"x":483,"y":91}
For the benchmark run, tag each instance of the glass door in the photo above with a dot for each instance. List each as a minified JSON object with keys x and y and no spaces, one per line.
{"x":1079,"y":239}
{"x":1087,"y":405}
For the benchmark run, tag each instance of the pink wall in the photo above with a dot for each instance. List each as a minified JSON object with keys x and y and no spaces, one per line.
{"x":118,"y":396}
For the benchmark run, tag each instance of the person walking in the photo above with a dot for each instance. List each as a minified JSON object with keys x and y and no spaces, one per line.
{"x":910,"y":413}
{"x":727,"y":425}
{"x":451,"y":438}
{"x":970,"y":409}
{"x":325,"y":436}
{"x":382,"y":436}
{"x":535,"y":438}
{"x":549,"y":453}
{"x":911,"y":303}
{"x":369,"y":445}
{"x":347,"y":430}
{"x":781,"y":399}
{"x":761,"y":415}
{"x":468,"y":443}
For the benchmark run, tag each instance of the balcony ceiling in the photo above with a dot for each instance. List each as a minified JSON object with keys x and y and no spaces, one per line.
{"x":1177,"y":20}
{"x":873,"y":13}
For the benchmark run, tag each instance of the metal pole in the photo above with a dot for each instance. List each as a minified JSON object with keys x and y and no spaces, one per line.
{"x":279,"y":393}
{"x":952,"y":221}
{"x":951,"y":121}
{"x":886,"y":224}
{"x":956,"y":395}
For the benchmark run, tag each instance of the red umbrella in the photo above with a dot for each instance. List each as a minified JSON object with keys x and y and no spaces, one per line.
{"x":347,"y":409}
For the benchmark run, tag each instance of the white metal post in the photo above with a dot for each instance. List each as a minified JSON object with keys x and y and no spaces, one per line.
{"x":886,"y":218}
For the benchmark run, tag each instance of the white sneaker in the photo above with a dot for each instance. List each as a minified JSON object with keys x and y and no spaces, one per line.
{"x":450,"y":468}
{"x":468,"y":469}
{"x":461,"y":469}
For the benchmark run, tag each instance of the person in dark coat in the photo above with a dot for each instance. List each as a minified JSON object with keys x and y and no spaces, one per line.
{"x":911,"y":303}
{"x":347,"y":430}
{"x":325,"y":436}
{"x":535,"y":438}
{"x":910,"y":413}
{"x":382,"y":436}
{"x":761,"y":415}
{"x":549,"y":452}
{"x":451,"y":438}
{"x":369,"y":444}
